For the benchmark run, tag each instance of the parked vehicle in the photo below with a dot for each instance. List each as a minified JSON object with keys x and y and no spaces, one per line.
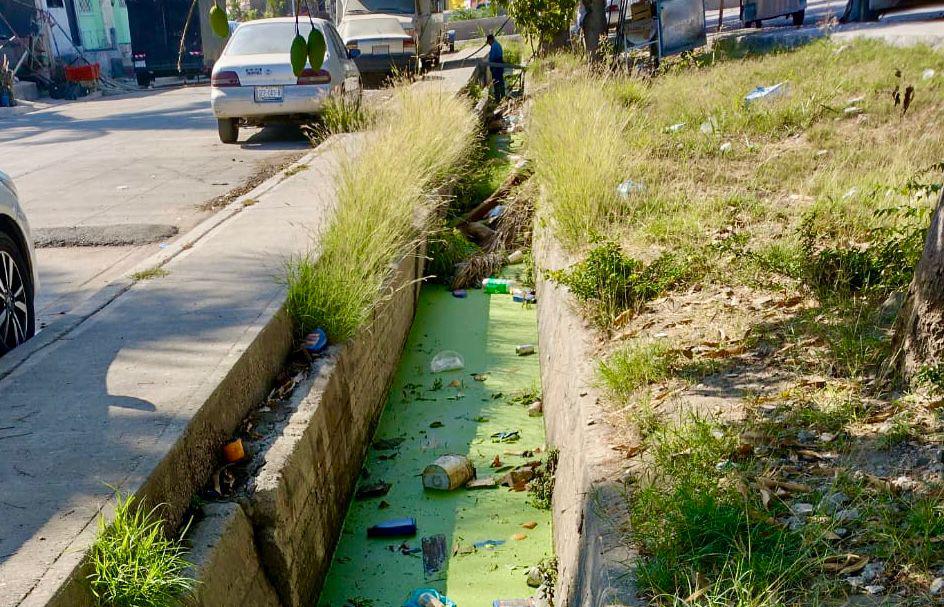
{"x":754,"y":12}
{"x":156,"y":27}
{"x":423,"y":20}
{"x":18,"y":278}
{"x":382,"y":44}
{"x":253,"y":83}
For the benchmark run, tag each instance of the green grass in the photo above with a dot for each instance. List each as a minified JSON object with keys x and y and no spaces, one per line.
{"x":488,"y":167}
{"x":446,"y":248}
{"x":341,"y":114}
{"x":692,"y":525}
{"x":385,"y":205}
{"x":150,"y":274}
{"x":635,"y":366}
{"x":133,"y":563}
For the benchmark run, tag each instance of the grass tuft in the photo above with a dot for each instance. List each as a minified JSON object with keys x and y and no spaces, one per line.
{"x":384,"y":207}
{"x":133,"y":563}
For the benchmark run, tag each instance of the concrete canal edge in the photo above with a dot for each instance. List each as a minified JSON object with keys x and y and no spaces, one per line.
{"x":589,"y":505}
{"x":303,"y":489}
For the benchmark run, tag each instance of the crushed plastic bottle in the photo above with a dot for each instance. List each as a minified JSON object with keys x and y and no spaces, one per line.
{"x":767,"y":93}
{"x":447,"y":360}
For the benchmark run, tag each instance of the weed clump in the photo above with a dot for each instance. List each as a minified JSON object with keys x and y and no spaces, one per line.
{"x":133,"y":563}
{"x":608,"y":282}
{"x":446,"y":250}
{"x":541,"y":487}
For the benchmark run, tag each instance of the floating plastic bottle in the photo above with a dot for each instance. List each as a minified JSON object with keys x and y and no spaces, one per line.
{"x":497,"y":285}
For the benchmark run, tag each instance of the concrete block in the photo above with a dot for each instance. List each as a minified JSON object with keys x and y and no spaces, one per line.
{"x":25,"y":90}
{"x":594,"y":559}
{"x":309,"y":473}
{"x":225,"y":561}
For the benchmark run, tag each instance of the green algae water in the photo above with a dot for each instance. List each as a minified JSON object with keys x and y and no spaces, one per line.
{"x":428,"y":415}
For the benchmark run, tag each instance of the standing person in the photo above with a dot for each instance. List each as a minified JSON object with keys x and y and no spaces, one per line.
{"x":496,"y":55}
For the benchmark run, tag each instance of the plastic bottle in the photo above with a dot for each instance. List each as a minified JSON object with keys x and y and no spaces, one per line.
{"x":497,"y":285}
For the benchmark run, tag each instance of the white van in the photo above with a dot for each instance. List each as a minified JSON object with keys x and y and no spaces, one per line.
{"x":421,"y":19}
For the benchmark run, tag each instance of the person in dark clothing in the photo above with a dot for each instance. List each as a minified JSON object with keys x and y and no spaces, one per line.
{"x":496,"y":55}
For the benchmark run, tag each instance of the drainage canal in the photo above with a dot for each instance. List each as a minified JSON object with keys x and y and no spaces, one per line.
{"x":475,"y":546}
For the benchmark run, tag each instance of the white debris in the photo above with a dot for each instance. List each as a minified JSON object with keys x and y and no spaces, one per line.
{"x":767,"y":93}
{"x":928,"y":74}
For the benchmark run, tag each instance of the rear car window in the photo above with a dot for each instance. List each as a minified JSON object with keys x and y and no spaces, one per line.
{"x":265,"y":38}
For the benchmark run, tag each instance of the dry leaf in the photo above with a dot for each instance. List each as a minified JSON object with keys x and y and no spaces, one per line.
{"x":701,"y":587}
{"x":765,"y":498}
{"x":815,"y":381}
{"x":881,"y":416}
{"x":530,"y":525}
{"x":630,"y":450}
{"x":519,"y":536}
{"x":845,"y":564}
{"x":771,"y":483}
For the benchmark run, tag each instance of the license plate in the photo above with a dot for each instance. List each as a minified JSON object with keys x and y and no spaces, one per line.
{"x":140,"y":64}
{"x":268,"y":94}
{"x":381,"y":49}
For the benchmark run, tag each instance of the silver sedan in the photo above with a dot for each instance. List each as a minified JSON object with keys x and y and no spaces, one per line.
{"x":18,"y":277}
{"x":253,"y":82}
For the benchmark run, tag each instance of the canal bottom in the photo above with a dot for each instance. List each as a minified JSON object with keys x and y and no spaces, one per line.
{"x":431,"y":414}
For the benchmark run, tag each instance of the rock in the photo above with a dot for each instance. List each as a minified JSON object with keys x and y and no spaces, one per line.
{"x":795,"y":522}
{"x":805,"y":436}
{"x":872,"y":571}
{"x":875,"y":589}
{"x":937,"y":586}
{"x":833,"y":501}
{"x":536,"y":409}
{"x":534,"y":577}
{"x":889,"y":308}
{"x":848,"y":514}
{"x":802,"y":509}
{"x":841,"y":531}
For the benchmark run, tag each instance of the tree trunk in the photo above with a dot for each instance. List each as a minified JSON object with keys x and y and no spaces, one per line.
{"x":919,"y":330}
{"x":594,"y":26}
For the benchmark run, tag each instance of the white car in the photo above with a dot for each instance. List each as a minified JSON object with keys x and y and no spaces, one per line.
{"x":382,"y":44}
{"x":18,"y":278}
{"x":253,"y":83}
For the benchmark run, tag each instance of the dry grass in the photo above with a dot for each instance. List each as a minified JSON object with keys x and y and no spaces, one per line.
{"x":384,"y":206}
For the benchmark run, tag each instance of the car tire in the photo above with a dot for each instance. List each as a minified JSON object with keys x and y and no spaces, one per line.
{"x":798,"y":18}
{"x":17,"y":312}
{"x":228,"y":129}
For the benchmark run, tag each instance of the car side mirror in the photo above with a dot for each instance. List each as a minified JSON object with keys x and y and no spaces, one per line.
{"x":353,"y":53}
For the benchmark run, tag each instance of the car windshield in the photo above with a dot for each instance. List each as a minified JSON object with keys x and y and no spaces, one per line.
{"x":398,"y":7}
{"x":265,"y":38}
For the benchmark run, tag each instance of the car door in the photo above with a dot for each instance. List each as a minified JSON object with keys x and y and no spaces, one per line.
{"x":351,"y":75}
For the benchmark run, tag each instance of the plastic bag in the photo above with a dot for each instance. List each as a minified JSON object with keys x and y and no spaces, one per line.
{"x":421,"y":597}
{"x":447,"y":360}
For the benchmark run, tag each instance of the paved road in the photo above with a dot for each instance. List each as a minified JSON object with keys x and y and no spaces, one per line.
{"x":144,"y":158}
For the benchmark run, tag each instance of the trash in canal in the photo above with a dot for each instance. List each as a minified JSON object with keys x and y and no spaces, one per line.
{"x":395,"y":527}
{"x":536,"y":409}
{"x":506,"y":436}
{"x":523,"y":296}
{"x":489,"y":544}
{"x":514,"y":603}
{"x":428,"y":597}
{"x":378,"y":489}
{"x":448,"y":472}
{"x":434,"y":555}
{"x":388,"y":444}
{"x":525,"y":350}
{"x":460,"y":293}
{"x":497,"y":286}
{"x":515,"y":257}
{"x":447,"y":360}
{"x":315,"y":341}
{"x":488,"y":482}
{"x":233,"y":451}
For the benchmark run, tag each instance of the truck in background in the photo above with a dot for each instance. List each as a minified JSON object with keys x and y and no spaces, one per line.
{"x":422,"y":19}
{"x":156,"y":27}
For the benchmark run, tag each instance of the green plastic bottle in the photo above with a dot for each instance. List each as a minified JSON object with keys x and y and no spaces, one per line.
{"x":497,"y":285}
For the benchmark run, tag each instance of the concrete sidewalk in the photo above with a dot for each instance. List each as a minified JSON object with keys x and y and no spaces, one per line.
{"x":140,"y":391}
